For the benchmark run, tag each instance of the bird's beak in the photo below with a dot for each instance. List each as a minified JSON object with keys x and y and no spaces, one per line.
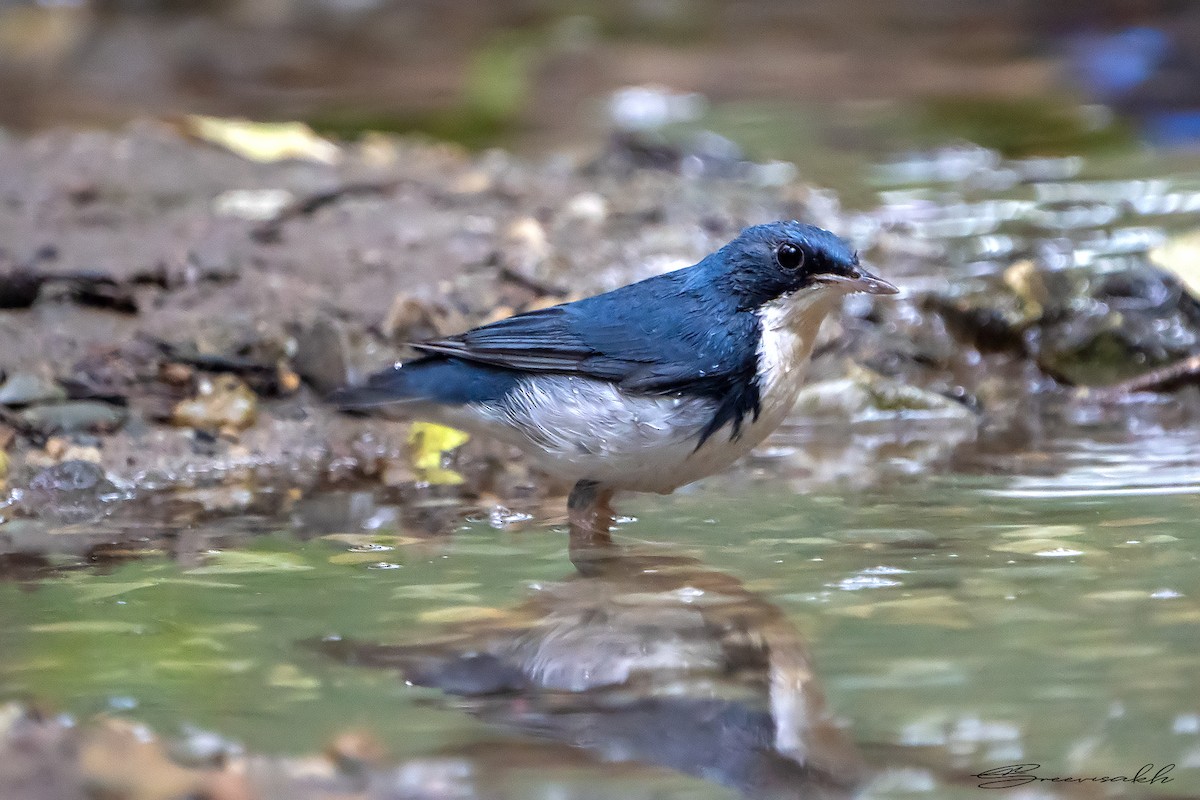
{"x":859,"y":280}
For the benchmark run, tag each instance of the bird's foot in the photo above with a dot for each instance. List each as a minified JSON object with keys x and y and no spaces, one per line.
{"x":590,"y":515}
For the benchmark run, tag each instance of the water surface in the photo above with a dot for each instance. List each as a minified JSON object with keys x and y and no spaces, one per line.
{"x":954,"y":623}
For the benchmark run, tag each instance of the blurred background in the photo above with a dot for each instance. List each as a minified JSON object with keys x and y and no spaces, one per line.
{"x":780,"y":77}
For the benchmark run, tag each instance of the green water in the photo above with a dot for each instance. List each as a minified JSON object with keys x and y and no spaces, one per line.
{"x":956,"y":623}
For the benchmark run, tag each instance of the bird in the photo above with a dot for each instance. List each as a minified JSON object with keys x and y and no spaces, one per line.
{"x":647,"y":387}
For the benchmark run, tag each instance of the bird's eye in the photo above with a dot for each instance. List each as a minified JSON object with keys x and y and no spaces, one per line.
{"x":789,"y":256}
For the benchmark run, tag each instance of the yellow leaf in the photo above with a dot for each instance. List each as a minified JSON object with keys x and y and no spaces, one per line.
{"x":430,"y":443}
{"x":264,"y":141}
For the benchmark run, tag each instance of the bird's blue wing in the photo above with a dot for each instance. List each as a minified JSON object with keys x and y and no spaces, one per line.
{"x":540,"y":341}
{"x":656,"y":337}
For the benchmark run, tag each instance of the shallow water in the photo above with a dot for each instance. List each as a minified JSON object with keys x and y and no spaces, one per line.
{"x":956,"y":623}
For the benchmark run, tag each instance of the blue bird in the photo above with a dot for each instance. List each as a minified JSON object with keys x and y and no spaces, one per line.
{"x":648,"y":387}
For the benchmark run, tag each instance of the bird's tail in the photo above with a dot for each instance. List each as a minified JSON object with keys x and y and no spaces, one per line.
{"x":393,"y":388}
{"x":427,"y":381}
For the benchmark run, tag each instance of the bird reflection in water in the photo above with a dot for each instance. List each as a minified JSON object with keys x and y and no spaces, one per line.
{"x":646,"y":656}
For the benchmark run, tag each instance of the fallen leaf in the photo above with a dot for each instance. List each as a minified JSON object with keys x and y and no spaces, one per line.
{"x":1044,"y":531}
{"x":264,"y":141}
{"x":89,"y":626}
{"x":233,"y":562}
{"x":430,"y":443}
{"x":1135,"y":522}
{"x":939,"y":610}
{"x":1047,"y":548}
{"x":289,"y":676}
{"x":455,"y":614}
{"x":102,"y":591}
{"x":206,"y":665}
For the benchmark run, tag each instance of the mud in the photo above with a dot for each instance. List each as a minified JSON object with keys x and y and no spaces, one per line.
{"x":176,"y":312}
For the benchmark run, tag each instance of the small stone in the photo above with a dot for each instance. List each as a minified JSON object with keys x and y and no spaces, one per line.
{"x":55,"y":447}
{"x":69,"y":476}
{"x":587,"y":208}
{"x":221,"y":403}
{"x":397,"y":472}
{"x":322,"y":356}
{"x":176,"y":374}
{"x":252,"y":204}
{"x":73,"y":492}
{"x":74,"y":417}
{"x":475,"y":181}
{"x":525,"y":245}
{"x":378,"y":150}
{"x":26,"y":389}
{"x":411,"y":319}
{"x":867,"y":396}
{"x":356,"y":747}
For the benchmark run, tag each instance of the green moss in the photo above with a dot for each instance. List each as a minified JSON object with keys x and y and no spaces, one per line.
{"x":495,"y":92}
{"x":1022,"y":126}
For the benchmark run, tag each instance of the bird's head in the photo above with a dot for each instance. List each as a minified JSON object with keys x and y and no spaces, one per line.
{"x":800,"y":269}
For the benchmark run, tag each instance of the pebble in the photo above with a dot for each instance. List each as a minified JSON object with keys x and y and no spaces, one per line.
{"x":587,"y":208}
{"x":27,"y":389}
{"x":74,"y":417}
{"x":322,"y":356}
{"x":222,"y":403}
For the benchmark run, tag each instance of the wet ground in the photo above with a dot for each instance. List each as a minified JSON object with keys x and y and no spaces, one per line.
{"x":971,"y":547}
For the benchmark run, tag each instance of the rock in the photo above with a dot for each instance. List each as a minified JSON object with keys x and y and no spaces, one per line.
{"x":27,"y":389}
{"x":252,"y":204}
{"x":1122,"y":325}
{"x":322,"y":355}
{"x":525,"y":246}
{"x":37,"y":757}
{"x":1080,"y":326}
{"x":74,"y":417}
{"x":866,"y":395}
{"x":411,"y":319}
{"x":69,"y":478}
{"x":73,"y":492}
{"x":222,"y":403}
{"x":585,"y":208}
{"x":20,"y":288}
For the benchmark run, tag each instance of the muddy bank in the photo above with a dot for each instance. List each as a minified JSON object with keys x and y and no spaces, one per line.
{"x":174,"y":313}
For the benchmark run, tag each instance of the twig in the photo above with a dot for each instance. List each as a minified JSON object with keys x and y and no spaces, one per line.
{"x":1165,"y":379}
{"x":538,"y":287}
{"x":271,"y":230}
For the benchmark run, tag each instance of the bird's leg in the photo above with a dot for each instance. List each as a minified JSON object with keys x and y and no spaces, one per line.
{"x":590,"y":515}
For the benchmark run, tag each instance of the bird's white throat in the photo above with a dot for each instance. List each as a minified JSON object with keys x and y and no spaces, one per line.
{"x":789,"y":330}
